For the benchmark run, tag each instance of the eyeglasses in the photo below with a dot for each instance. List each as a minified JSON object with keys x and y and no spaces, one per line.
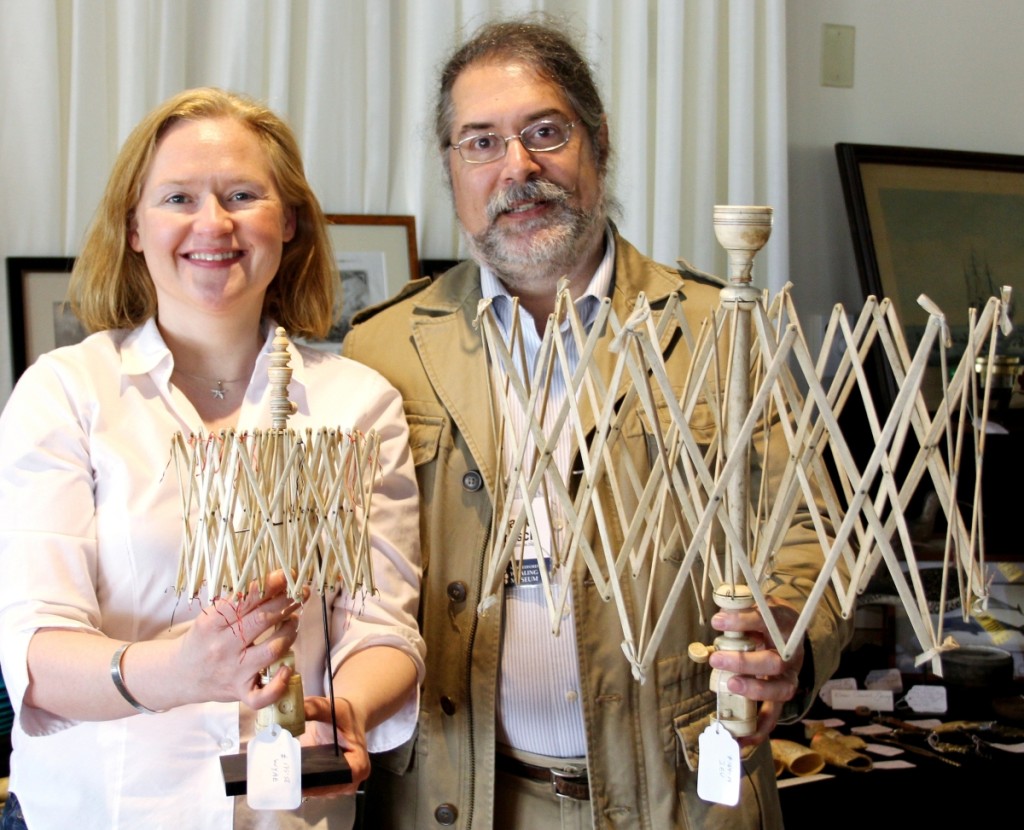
{"x":538,"y":137}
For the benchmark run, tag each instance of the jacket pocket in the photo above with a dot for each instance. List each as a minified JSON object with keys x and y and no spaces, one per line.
{"x":424,"y":436}
{"x":701,"y":422}
{"x":695,"y":717}
{"x":759,"y":799}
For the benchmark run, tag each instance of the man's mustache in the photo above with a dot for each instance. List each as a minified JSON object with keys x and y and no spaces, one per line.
{"x":535,"y":190}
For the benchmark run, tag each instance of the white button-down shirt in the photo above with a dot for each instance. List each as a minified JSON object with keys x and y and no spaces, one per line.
{"x":539,"y":709}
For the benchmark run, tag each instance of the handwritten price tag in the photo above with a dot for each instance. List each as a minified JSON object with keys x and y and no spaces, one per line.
{"x":719,"y":771}
{"x":878,"y":700}
{"x":274,"y":770}
{"x":931,"y":699}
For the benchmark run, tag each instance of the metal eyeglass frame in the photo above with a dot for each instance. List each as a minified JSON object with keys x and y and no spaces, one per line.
{"x":569,"y":125}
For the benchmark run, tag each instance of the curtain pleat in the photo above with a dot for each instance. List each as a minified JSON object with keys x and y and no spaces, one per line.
{"x":695,"y":91}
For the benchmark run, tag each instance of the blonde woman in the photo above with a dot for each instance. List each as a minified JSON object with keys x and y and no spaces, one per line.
{"x":207,"y":237}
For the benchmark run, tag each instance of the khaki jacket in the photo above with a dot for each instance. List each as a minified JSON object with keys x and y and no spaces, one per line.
{"x":638,"y":735}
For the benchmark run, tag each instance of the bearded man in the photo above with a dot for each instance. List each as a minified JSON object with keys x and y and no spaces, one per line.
{"x":519,"y":728}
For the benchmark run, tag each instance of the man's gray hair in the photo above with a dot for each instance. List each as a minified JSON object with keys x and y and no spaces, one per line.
{"x":549,"y":52}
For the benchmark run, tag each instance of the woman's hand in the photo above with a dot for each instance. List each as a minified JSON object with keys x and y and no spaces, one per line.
{"x":232,"y":641}
{"x":218,"y":658}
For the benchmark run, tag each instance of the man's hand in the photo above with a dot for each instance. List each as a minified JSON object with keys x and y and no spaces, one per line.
{"x":761,"y":674}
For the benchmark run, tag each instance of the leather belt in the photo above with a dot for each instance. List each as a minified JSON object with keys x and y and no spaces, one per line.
{"x":569,"y":782}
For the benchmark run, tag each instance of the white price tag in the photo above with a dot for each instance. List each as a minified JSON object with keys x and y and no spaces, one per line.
{"x":274,"y":770}
{"x":870,"y":729}
{"x":895,"y":763}
{"x":931,"y":699}
{"x":830,"y":687}
{"x":885,"y":750}
{"x":719,"y":771}
{"x":890,"y":679}
{"x":877,"y":700}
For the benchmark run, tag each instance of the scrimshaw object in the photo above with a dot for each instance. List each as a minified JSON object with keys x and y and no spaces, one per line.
{"x":694,"y":521}
{"x":255,"y":502}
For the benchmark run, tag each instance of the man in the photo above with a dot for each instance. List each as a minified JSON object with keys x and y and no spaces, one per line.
{"x":518,"y":728}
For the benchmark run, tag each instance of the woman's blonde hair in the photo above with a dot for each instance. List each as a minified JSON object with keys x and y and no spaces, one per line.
{"x":110,"y":285}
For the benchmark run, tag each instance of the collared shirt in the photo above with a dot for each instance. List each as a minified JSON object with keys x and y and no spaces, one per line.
{"x":90,"y":530}
{"x":539,"y":707}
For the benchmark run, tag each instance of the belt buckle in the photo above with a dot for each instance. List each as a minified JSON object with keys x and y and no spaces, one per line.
{"x":570,"y":782}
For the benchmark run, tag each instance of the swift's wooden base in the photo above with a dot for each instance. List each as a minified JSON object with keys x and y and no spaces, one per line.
{"x":320,"y":768}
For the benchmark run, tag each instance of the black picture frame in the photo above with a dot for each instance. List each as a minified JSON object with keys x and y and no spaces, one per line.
{"x":945,"y":223}
{"x":38,"y":317}
{"x":434,"y":268}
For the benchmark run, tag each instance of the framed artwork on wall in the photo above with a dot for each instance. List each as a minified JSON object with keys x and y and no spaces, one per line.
{"x":434,"y":268}
{"x":39,"y":317}
{"x":376,"y":255}
{"x":945,"y":223}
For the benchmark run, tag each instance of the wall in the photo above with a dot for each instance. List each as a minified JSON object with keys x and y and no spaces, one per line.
{"x":928,"y":73}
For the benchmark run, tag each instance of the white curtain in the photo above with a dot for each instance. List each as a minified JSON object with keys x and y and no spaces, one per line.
{"x":695,"y":92}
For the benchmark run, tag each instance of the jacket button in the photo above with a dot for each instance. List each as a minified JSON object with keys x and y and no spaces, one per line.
{"x":446,"y":814}
{"x":447,"y":705}
{"x":472,"y":481}
{"x":457,"y":591}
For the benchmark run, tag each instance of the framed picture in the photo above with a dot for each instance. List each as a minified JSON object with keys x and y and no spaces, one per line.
{"x":376,"y":256}
{"x":40,"y":319}
{"x":433,"y":268}
{"x":945,"y":223}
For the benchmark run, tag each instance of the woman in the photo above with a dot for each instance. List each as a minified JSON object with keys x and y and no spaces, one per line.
{"x":207,"y":237}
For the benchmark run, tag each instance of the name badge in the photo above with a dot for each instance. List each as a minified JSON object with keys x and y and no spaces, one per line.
{"x":534,"y":537}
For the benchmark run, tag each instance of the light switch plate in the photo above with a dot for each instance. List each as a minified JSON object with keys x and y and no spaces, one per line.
{"x":837,"y":55}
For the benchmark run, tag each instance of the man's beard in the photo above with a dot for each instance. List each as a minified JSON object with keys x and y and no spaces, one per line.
{"x":539,"y":250}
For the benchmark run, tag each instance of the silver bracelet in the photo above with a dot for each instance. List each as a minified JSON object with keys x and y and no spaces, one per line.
{"x":118,"y":678}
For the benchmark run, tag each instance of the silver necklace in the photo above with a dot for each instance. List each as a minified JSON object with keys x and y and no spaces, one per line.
{"x":218,"y":391}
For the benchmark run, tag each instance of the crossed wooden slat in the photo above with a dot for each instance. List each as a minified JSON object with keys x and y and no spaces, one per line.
{"x":681,"y":502}
{"x":273,"y":499}
{"x":254,"y":502}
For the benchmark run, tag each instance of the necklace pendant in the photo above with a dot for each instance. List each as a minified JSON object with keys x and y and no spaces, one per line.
{"x":218,"y":391}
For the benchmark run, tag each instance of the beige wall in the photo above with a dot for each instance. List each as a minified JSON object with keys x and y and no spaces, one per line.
{"x":947,"y":74}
